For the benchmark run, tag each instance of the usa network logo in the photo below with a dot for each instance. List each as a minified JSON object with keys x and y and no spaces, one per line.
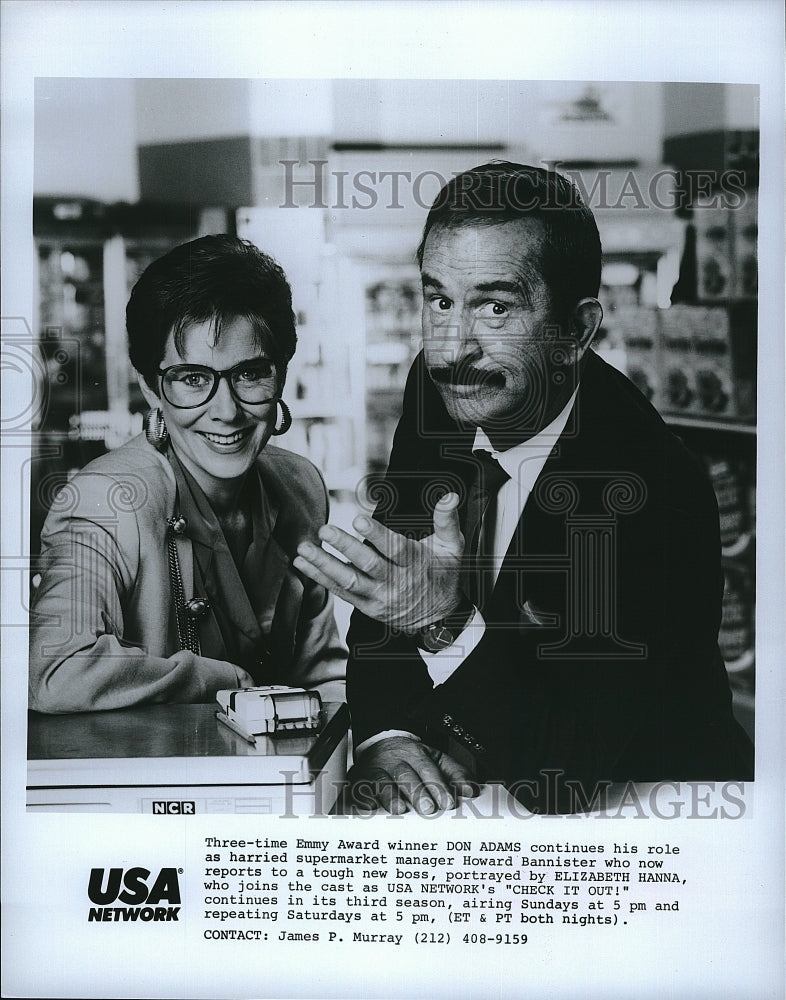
{"x":142,"y":895}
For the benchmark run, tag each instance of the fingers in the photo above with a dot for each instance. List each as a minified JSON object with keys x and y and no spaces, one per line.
{"x":402,"y":792}
{"x":446,"y":523}
{"x":324,"y":568}
{"x":399,"y":549}
{"x":458,"y":776}
{"x":395,"y":547}
{"x":360,"y":555}
{"x":401,"y":774}
{"x":375,"y":788}
{"x":354,"y":580}
{"x":425,"y":788}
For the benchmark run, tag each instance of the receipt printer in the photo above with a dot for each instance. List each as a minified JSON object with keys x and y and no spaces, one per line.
{"x":272,"y":710}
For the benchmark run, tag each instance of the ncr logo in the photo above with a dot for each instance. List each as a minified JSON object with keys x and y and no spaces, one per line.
{"x":171,"y":807}
{"x":138,"y":890}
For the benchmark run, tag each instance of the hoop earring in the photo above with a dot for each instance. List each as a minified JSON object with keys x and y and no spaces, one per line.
{"x":155,"y":429}
{"x":286,"y":419}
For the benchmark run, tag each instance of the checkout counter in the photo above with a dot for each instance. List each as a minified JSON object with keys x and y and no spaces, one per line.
{"x":179,"y":759}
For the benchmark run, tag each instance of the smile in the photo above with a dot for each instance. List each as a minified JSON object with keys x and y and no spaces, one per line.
{"x":467,"y":379}
{"x":227,"y":440}
{"x":464,"y":389}
{"x":488,"y":386}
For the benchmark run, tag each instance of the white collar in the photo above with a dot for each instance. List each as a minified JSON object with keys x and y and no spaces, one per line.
{"x":514,"y":459}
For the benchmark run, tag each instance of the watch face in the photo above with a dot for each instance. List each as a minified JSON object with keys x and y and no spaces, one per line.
{"x":437,"y":637}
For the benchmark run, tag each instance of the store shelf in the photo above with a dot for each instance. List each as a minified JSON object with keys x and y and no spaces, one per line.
{"x":346,"y":480}
{"x":744,"y":662}
{"x":710,"y":424}
{"x":305,"y":410}
{"x":740,"y":547}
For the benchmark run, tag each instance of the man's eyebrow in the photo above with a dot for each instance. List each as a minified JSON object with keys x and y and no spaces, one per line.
{"x":499,"y":286}
{"x":485,"y":286}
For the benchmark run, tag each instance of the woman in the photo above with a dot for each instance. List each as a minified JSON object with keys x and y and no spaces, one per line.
{"x":167,"y":569}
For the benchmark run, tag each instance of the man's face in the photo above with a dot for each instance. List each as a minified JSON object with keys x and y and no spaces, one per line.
{"x":493,"y":345}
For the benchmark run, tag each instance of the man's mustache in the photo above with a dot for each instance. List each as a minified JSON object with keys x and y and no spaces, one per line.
{"x":464,"y":374}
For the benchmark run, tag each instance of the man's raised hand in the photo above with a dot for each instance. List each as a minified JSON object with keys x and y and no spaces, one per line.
{"x":399,"y":581}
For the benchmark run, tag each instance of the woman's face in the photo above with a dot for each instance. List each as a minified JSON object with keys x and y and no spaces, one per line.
{"x":221,"y":439}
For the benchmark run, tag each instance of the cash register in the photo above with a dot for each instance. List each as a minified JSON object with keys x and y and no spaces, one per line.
{"x":268,"y":750}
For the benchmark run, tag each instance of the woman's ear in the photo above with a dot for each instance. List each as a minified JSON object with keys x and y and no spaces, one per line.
{"x":587,"y":317}
{"x":151,"y":398}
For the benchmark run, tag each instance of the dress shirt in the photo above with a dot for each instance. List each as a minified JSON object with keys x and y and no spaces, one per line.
{"x":523,"y":463}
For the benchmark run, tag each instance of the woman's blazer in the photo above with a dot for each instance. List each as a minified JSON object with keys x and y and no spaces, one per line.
{"x":103,"y":621}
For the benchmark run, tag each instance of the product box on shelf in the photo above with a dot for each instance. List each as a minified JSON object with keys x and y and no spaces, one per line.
{"x":728,"y":482}
{"x":746,"y":235}
{"x":698,"y":367}
{"x":712,"y":362}
{"x":714,"y":250}
{"x":677,"y":370}
{"x":637,"y":332}
{"x":629,"y":342}
{"x":735,"y":637}
{"x":727,"y":248}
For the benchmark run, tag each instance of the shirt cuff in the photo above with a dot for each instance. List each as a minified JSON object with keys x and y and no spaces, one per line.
{"x":442,"y":664}
{"x":378,"y":737}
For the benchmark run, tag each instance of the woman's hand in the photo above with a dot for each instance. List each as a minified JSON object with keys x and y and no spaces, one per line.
{"x":401,"y":582}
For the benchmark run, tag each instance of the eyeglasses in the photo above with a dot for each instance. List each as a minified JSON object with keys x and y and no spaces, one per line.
{"x":186,"y":386}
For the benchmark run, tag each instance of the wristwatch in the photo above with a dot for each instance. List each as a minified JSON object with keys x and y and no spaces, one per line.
{"x":443,"y":633}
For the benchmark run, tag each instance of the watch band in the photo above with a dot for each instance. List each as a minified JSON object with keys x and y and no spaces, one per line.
{"x":444,"y":632}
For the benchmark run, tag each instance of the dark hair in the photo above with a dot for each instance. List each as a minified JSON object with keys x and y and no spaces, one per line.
{"x":502,"y":191}
{"x":213,"y":278}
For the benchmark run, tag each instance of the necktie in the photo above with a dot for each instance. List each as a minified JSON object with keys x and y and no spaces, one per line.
{"x":479,"y":544}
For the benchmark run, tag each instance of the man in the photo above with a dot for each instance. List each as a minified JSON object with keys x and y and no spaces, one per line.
{"x":543,"y":602}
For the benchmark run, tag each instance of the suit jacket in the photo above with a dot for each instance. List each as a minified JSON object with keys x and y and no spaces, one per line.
{"x":599,"y":661}
{"x":103,"y":623}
